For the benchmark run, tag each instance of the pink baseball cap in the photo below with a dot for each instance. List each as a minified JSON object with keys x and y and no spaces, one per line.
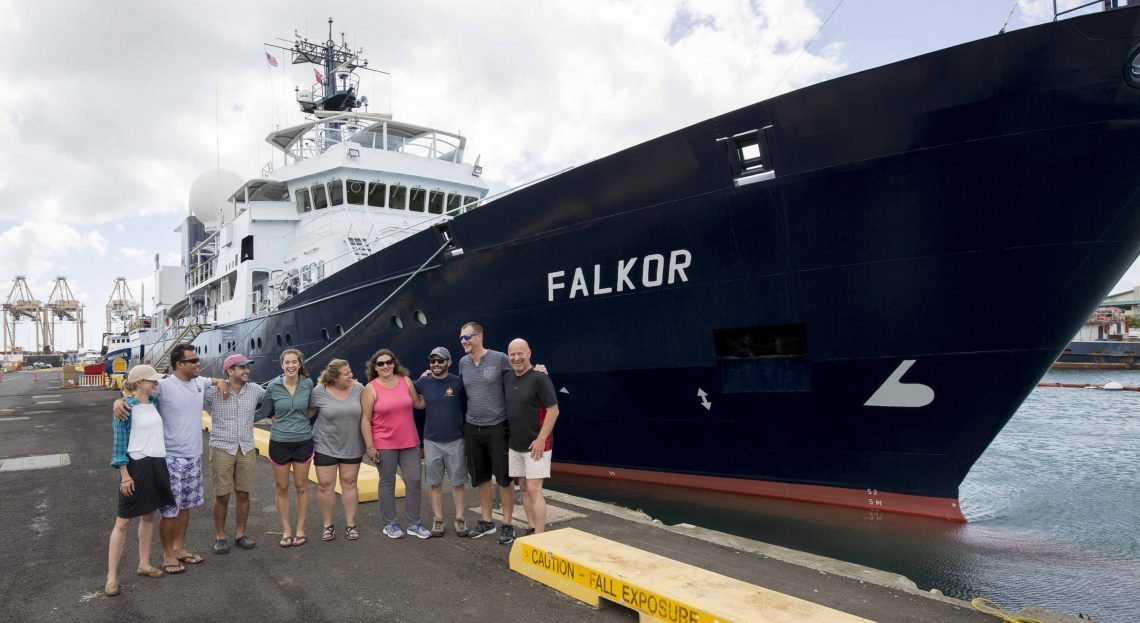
{"x":235,"y":360}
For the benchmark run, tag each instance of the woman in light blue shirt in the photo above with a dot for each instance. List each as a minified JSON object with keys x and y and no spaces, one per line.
{"x":290,"y":440}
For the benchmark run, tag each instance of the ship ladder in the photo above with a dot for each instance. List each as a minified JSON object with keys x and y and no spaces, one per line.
{"x":191,"y":331}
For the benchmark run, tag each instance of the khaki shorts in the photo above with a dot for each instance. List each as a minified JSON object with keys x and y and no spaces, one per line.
{"x":521,"y":465}
{"x":229,"y":472}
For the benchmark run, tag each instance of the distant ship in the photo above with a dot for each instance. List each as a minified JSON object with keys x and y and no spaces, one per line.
{"x":793,"y":299}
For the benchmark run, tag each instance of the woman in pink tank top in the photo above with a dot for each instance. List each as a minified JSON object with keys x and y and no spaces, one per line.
{"x":391,"y":440}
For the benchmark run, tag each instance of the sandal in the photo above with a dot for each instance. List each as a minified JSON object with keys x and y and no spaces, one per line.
{"x":152,"y":572}
{"x":299,"y":540}
{"x":173,"y":569}
{"x":190,"y":559}
{"x":286,"y":541}
{"x":351,"y":533}
{"x":329,"y":533}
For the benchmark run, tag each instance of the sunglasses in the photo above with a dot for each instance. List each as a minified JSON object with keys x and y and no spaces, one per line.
{"x":386,"y":362}
{"x":436,"y":360}
{"x":466,"y":337}
{"x":191,"y":361}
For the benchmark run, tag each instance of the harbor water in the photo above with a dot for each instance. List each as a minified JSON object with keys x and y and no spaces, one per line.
{"x":1053,"y":508}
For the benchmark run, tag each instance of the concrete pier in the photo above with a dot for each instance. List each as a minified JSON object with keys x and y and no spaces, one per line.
{"x":58,"y":516}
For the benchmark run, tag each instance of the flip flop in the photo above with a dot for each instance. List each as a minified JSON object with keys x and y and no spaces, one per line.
{"x":191,"y":559}
{"x":173,"y":569}
{"x":299,"y":540}
{"x":286,"y":541}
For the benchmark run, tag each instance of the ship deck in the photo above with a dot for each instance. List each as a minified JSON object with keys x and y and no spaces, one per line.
{"x":59,"y":519}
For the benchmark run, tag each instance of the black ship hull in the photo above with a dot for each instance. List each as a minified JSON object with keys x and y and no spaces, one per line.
{"x":830,"y":328}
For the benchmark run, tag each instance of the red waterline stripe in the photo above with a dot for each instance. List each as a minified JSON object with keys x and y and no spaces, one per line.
{"x":922,"y":506}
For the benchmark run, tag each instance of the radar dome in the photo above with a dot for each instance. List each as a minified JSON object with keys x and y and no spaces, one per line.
{"x":209,"y":194}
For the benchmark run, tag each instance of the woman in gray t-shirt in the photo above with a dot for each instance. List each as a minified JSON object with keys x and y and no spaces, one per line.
{"x":338,"y":446}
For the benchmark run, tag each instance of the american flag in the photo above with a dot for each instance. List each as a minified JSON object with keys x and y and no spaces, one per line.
{"x":272,"y":61}
{"x":320,"y":78}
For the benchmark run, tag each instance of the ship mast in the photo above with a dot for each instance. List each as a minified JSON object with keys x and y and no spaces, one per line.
{"x":337,"y":87}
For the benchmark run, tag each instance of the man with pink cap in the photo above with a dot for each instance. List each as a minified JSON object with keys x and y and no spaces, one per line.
{"x":232,"y":454}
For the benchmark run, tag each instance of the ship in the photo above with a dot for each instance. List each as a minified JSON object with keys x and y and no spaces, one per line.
{"x":793,"y":299}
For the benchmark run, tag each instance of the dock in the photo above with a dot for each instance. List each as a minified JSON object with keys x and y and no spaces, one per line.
{"x":59,"y":512}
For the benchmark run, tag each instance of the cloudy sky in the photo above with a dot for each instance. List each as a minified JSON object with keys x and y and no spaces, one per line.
{"x":110,"y":109}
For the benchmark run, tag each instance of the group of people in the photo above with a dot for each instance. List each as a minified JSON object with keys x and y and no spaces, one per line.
{"x":492,"y":421}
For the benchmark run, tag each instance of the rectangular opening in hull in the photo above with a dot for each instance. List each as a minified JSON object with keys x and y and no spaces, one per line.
{"x":766,"y":358}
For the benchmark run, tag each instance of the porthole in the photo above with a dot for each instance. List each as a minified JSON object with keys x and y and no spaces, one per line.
{"x":259,"y":342}
{"x":421,"y":317}
{"x":252,"y":344}
{"x":325,"y":334}
{"x":397,"y":323}
{"x":288,"y":339}
{"x":339,"y":330}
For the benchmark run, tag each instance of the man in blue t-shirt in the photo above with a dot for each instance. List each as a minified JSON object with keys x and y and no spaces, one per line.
{"x":443,"y":438}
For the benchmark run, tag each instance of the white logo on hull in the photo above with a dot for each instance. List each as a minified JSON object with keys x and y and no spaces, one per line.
{"x":705,"y":402}
{"x":655,"y":270}
{"x":893,"y":393}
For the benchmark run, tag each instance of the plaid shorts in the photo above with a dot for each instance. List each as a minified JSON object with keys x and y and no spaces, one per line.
{"x":185,"y":484}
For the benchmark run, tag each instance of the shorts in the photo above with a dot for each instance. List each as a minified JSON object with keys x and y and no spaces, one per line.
{"x":286,"y":452}
{"x":324,"y":460}
{"x":185,"y":484}
{"x":486,"y":448}
{"x":230,"y":472}
{"x":523,"y":466}
{"x":441,"y":455}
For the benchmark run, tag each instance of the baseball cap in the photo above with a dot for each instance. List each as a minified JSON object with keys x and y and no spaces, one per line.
{"x":143,"y":372}
{"x":235,"y":360}
{"x":440,"y":351}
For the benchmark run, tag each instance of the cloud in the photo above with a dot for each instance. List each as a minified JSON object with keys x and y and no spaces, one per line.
{"x":39,"y":249}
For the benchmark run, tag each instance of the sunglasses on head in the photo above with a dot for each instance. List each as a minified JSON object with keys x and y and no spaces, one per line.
{"x":466,"y":337}
{"x":386,"y":362}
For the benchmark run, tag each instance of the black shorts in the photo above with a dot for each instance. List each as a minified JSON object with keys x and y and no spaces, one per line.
{"x":486,"y":448}
{"x":286,"y":452}
{"x":152,"y":487}
{"x":324,"y":460}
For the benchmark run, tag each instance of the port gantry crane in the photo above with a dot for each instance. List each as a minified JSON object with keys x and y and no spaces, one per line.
{"x":122,"y":307}
{"x":21,"y":305}
{"x":62,"y":306}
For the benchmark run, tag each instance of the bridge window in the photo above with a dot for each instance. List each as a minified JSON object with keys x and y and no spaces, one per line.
{"x":454,"y":202}
{"x":355,"y":192}
{"x":469,"y":203}
{"x":376,"y":193}
{"x":397,"y":197}
{"x":320,"y":199}
{"x":247,"y":248}
{"x":336,"y":192}
{"x":302,"y":197}
{"x":435,"y":202}
{"x":417,"y":200}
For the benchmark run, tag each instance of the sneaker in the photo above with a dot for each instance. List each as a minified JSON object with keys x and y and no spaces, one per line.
{"x":507,"y":534}
{"x":221,"y":547}
{"x":483,"y":528}
{"x":461,"y":527}
{"x":419,"y":530}
{"x":437,"y":527}
{"x":393,"y":531}
{"x":245,"y":542}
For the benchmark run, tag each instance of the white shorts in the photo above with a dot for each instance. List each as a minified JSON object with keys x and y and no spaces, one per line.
{"x":521,"y":465}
